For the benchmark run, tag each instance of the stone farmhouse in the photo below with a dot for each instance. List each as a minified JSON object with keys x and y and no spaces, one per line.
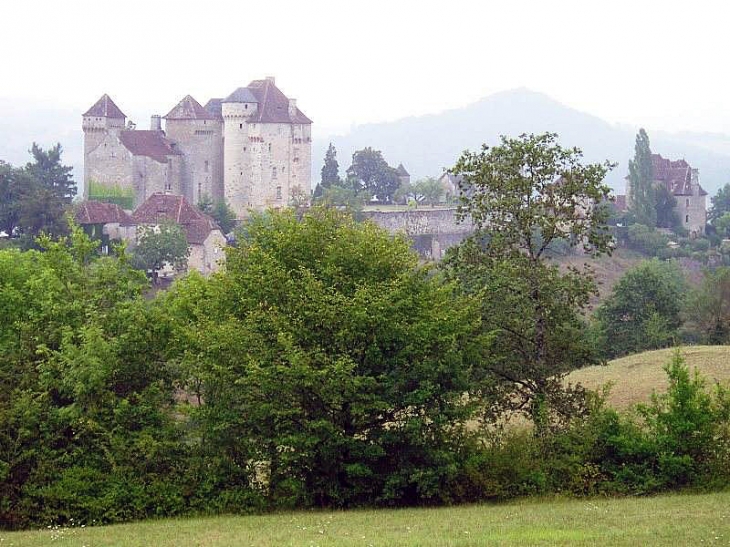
{"x":109,"y":222}
{"x":683,"y":182}
{"x":251,"y":148}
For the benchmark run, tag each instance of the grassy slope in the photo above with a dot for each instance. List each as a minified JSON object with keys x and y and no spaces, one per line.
{"x":634,"y":377}
{"x":664,"y":520}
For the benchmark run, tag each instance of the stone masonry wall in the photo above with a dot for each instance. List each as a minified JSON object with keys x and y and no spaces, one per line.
{"x":201,"y":142}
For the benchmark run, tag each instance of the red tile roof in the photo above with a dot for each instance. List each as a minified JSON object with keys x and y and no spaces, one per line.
{"x":105,"y":108}
{"x":196,"y":224}
{"x":273,"y":105}
{"x":189,"y":109}
{"x":675,"y":175}
{"x":152,"y":144}
{"x":97,"y":212}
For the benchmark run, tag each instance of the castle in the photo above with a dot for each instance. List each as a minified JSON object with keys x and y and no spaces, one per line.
{"x":253,"y":149}
{"x":683,"y":182}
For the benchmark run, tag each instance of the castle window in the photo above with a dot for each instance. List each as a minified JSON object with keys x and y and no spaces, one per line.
{"x":686,"y":219}
{"x":278,"y":192}
{"x":273,"y":172}
{"x":244,"y":148}
{"x":245,"y":107}
{"x":206,"y":166}
{"x":240,"y":126}
{"x":269,"y":147}
{"x":687,"y":201}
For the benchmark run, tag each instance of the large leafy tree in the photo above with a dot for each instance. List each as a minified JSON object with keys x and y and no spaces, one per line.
{"x":430,"y":190}
{"x":643,"y":310}
{"x":523,"y":196}
{"x":720,"y":203}
{"x":332,"y":369}
{"x":159,"y":245}
{"x":373,"y":174}
{"x":706,"y":313}
{"x":641,"y":182}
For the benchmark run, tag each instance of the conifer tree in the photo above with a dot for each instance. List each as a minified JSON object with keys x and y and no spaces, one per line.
{"x":641,"y":182}
{"x":330,"y":172}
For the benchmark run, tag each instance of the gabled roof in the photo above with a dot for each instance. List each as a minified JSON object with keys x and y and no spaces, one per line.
{"x":402,"y":171}
{"x":97,"y":212}
{"x":152,"y":144}
{"x":105,"y":108}
{"x":215,"y":107}
{"x":273,"y":104}
{"x":189,"y":109}
{"x":675,"y":175}
{"x":241,"y":95}
{"x":158,"y":207}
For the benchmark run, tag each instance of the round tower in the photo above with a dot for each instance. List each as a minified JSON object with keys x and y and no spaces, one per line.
{"x":239,"y":143}
{"x":102,"y":119}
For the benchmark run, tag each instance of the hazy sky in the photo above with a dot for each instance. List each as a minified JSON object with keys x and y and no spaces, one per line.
{"x":659,"y":64}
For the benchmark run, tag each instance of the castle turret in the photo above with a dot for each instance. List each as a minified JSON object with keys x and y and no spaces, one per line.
{"x":100,"y":120}
{"x":198,"y":134}
{"x":239,"y":142}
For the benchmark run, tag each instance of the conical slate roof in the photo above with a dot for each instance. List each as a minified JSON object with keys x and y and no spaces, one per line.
{"x":189,"y":109}
{"x":105,"y":108}
{"x":402,"y":171}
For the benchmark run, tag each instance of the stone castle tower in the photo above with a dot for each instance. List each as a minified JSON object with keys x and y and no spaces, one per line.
{"x":252,"y":149}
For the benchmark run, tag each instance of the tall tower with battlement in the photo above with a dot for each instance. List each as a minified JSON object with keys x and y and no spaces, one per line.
{"x":102,"y":119}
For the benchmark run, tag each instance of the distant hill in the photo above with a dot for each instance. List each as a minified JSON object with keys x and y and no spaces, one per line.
{"x":635,"y":377}
{"x":428,"y":144}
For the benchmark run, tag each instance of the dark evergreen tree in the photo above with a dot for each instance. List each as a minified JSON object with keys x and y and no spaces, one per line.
{"x":665,"y":204}
{"x":330,"y":172}
{"x":48,"y":170}
{"x":641,"y":182}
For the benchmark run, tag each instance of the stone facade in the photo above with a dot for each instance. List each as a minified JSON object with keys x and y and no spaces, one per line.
{"x":252,"y":149}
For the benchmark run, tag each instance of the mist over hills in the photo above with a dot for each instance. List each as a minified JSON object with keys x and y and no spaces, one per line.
{"x":428,"y":144}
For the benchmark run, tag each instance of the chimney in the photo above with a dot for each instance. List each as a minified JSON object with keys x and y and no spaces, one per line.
{"x":156,"y":123}
{"x":271,"y":80}
{"x":292,"y":107}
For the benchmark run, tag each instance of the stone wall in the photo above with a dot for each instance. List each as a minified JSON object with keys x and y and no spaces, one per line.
{"x":109,"y":164}
{"x":201,"y":142}
{"x":432,"y":231}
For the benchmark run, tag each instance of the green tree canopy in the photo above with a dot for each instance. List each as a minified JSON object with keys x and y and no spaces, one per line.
{"x":706,"y":313}
{"x":430,"y":190}
{"x":720,"y":203}
{"x":50,"y":173}
{"x":641,"y":182}
{"x":523,"y":196}
{"x":325,"y":354}
{"x":664,"y":205}
{"x":330,"y":174}
{"x":373,"y":174}
{"x":159,"y":245}
{"x":643,"y":310}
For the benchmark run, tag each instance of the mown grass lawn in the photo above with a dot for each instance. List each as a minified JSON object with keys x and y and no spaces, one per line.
{"x":688,"y":519}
